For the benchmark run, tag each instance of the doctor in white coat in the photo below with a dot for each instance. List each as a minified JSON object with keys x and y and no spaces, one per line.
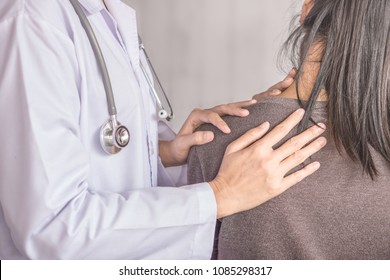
{"x":62,"y":196}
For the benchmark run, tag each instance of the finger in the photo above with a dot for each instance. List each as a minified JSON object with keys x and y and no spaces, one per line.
{"x":299,"y":175}
{"x":270,"y":92}
{"x":282,"y":86}
{"x":216,"y":120}
{"x":287,"y":82}
{"x":292,"y":73}
{"x":213,"y":116}
{"x":281,"y":130}
{"x":277,"y":88}
{"x":245,"y":103}
{"x":289,"y":79}
{"x":198,"y":117}
{"x":297,"y":142}
{"x":234,"y":109}
{"x":248,"y":138}
{"x":300,"y":156}
{"x":196,"y":139}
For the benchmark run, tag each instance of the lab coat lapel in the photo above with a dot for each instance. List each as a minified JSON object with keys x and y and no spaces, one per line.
{"x":92,"y":6}
{"x":127,"y":26}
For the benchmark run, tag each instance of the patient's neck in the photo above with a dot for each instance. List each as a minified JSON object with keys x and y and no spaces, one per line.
{"x":309,"y":72}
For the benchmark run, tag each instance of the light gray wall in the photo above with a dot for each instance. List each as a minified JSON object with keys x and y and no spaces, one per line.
{"x":209,"y":52}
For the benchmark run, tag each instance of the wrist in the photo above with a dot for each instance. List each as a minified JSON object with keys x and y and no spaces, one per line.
{"x":223,"y":208}
{"x":165,"y":153}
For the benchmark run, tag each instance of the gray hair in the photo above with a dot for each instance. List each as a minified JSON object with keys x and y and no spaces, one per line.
{"x":355,"y":72}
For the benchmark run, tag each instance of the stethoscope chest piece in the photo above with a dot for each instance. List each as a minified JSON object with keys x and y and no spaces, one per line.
{"x":114,"y":136}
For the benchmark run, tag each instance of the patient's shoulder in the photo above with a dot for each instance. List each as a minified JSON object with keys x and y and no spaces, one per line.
{"x":204,"y":160}
{"x":273,"y":109}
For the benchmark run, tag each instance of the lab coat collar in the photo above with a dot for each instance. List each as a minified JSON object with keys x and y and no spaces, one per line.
{"x":126,"y":19}
{"x":92,"y":6}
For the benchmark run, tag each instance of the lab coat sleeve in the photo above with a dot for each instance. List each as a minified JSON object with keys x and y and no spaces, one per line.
{"x":49,"y":208}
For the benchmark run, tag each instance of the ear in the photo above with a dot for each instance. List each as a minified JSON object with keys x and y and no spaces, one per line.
{"x":307,"y":5}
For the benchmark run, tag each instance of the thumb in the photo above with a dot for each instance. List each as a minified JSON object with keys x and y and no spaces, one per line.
{"x":197,"y":138}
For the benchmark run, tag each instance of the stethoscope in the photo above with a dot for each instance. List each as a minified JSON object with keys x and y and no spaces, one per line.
{"x":113,"y":135}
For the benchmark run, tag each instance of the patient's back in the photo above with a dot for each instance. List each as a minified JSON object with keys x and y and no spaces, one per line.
{"x":337,"y":213}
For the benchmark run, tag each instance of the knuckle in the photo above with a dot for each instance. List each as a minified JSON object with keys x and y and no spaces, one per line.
{"x":273,"y":188}
{"x":213,"y":115}
{"x":196,"y":111}
{"x":225,"y":106}
{"x":252,"y":133}
{"x":314,"y":131}
{"x":230,"y":147}
{"x":314,"y":147}
{"x":221,"y":107}
{"x":259,"y":150}
{"x":198,"y":137}
{"x":299,"y":176}
{"x":299,"y":156}
{"x":294,"y":142}
{"x":282,"y":129}
{"x":321,"y":142}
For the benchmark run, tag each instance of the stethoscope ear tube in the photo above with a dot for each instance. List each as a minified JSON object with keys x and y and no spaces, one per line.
{"x":163,"y":114}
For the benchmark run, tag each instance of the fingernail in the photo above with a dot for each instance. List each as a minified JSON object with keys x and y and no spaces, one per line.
{"x":322,"y":141}
{"x":253,"y":101}
{"x":244,"y":112}
{"x":316,"y":165}
{"x":276,"y":92}
{"x":208,"y":136}
{"x":265,"y":125}
{"x":300,"y":112}
{"x":289,"y":80}
{"x":322,"y":125}
{"x":227,"y":130}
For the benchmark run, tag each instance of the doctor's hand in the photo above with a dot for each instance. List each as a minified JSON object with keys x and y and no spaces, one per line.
{"x":174,"y":153}
{"x":277,"y":88}
{"x":252,"y":172}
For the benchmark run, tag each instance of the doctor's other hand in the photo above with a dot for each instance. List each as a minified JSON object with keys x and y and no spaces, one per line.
{"x":277,"y":88}
{"x":252,"y":172}
{"x":175,"y":152}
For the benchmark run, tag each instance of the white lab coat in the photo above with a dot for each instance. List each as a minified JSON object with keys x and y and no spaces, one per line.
{"x":61,"y":196}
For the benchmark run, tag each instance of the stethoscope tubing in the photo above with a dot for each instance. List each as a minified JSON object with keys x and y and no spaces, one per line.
{"x":99,"y":57}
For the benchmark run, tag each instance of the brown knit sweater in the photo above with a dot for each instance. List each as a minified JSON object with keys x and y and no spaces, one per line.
{"x":337,"y":213}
